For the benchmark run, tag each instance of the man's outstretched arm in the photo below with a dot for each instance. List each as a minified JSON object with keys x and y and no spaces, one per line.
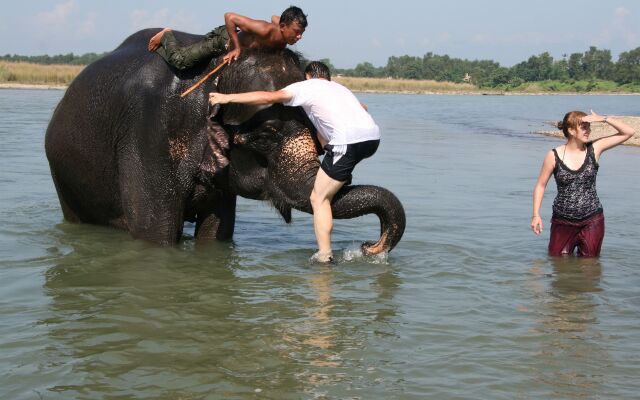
{"x":252,"y":98}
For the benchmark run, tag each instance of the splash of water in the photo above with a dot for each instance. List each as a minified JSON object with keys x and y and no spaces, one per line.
{"x":354,"y":253}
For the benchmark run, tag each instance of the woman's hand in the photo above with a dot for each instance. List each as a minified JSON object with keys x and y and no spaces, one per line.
{"x":536,"y":224}
{"x":593,"y":117}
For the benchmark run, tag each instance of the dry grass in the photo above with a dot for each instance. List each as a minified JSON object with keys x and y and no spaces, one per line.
{"x":404,"y":85}
{"x":22,"y":73}
{"x":37,"y":74}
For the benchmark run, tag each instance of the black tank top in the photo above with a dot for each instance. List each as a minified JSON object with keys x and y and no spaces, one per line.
{"x":577,"y":198}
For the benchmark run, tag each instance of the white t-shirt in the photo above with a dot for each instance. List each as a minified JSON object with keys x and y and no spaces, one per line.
{"x":334,"y":111}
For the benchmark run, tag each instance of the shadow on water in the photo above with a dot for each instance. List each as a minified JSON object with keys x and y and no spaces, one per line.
{"x":571,"y":361}
{"x":127,"y":319}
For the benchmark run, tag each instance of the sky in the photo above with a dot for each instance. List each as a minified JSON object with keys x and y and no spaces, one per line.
{"x":346,"y":32}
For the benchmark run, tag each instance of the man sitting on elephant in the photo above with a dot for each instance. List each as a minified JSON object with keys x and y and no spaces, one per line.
{"x":345,"y":129}
{"x":283,"y":30}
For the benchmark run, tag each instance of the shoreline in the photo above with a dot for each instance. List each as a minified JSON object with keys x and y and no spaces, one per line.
{"x":32,"y":86}
{"x":35,"y":86}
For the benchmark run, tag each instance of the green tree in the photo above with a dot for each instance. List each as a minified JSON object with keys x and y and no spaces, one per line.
{"x":560,"y":70}
{"x":597,"y":64}
{"x":536,"y":68}
{"x":69,"y":58}
{"x":406,"y":67}
{"x":499,"y":76}
{"x":365,"y":69}
{"x":574,"y":66}
{"x":627,"y":69}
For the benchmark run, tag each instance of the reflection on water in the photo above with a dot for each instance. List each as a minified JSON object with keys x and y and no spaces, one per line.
{"x":122,"y":311}
{"x":324,"y":342}
{"x":126,"y":317}
{"x":316,"y":338}
{"x":571,"y":362}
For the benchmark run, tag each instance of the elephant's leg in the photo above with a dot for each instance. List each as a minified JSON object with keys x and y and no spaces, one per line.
{"x":68,"y":213}
{"x":97,"y":205}
{"x":152,"y":204}
{"x":218,"y":222}
{"x":161,"y":222}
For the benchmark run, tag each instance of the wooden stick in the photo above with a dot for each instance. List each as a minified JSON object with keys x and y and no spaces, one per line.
{"x":192,"y":88}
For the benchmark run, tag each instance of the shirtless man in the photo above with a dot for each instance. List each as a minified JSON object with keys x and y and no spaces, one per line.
{"x":277,"y":34}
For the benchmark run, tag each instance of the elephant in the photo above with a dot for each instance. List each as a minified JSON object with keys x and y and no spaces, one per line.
{"x":126,"y":150}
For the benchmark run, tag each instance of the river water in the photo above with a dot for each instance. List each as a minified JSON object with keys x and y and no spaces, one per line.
{"x":467,"y":306}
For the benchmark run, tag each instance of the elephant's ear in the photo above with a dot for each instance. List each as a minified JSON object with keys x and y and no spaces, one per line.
{"x":216,"y":153}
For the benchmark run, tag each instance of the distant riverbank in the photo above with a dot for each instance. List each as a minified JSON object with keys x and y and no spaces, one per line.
{"x":375,"y":85}
{"x":22,"y":75}
{"x":19,"y":74}
{"x":4,"y":85}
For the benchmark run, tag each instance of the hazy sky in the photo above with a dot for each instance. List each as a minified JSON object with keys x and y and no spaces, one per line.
{"x":347,"y":32}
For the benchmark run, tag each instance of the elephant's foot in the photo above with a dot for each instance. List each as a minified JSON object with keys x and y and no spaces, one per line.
{"x":323,"y":258}
{"x":217,"y":222}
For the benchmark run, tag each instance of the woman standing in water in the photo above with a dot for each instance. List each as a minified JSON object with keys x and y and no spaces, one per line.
{"x":578,"y":220}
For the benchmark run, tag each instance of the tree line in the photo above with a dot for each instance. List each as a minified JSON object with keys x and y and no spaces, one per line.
{"x":69,"y":58}
{"x":592,"y":70}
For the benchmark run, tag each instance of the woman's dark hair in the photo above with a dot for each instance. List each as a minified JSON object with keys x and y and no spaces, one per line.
{"x":571,"y":120}
{"x":294,"y":14}
{"x":317,"y":69}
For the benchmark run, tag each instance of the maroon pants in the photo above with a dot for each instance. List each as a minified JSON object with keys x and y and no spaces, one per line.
{"x":585,"y":235}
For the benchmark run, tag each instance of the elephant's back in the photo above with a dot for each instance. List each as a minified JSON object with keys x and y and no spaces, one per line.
{"x":120,"y":110}
{"x":140,"y":39}
{"x":110,"y":96}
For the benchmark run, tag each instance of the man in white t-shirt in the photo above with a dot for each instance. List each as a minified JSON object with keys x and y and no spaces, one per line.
{"x":345,"y":129}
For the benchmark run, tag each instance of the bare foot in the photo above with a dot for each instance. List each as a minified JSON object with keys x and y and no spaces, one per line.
{"x":322,"y":258}
{"x":154,"y":42}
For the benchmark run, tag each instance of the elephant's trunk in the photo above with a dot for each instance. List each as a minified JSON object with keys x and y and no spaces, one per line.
{"x":355,"y":201}
{"x":292,"y":179}
{"x":291,"y":176}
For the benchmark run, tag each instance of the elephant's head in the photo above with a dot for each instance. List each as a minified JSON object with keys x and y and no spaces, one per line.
{"x":274,"y":150}
{"x":287,"y":153}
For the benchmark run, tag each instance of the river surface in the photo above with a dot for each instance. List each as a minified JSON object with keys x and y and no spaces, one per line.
{"x":468,"y":306}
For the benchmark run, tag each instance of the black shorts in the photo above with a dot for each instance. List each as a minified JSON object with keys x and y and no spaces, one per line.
{"x":356,"y":152}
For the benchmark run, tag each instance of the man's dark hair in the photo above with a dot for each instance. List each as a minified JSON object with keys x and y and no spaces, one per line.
{"x":294,"y":14}
{"x":317,"y":69}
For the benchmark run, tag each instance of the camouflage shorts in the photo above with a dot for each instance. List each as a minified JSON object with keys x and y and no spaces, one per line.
{"x":214,"y":43}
